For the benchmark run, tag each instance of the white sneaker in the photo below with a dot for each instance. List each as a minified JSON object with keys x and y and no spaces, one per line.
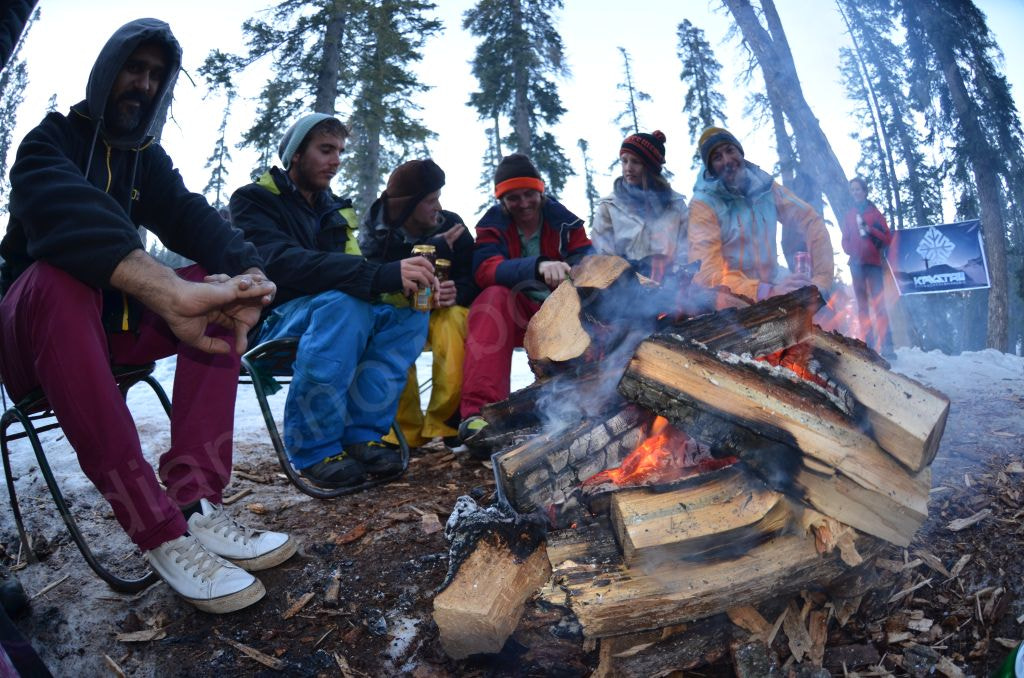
{"x":207,"y":581}
{"x":250,"y":549}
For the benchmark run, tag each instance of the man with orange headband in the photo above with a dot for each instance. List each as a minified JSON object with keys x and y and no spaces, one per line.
{"x":525,"y":246}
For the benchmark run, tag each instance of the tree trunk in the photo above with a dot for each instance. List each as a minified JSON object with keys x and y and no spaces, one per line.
{"x":327,"y":78}
{"x":772,"y":53}
{"x":520,"y":85}
{"x":979,"y":150}
{"x":783,"y":144}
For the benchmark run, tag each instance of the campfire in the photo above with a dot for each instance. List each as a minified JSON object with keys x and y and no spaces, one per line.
{"x":692,"y":452}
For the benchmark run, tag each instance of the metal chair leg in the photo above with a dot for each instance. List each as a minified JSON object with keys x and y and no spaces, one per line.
{"x":291,"y":472}
{"x":9,"y":417}
{"x":14,"y":414}
{"x":161,"y":394}
{"x":117,"y":583}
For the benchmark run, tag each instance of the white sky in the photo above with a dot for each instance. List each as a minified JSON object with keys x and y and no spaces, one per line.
{"x":63,"y":45}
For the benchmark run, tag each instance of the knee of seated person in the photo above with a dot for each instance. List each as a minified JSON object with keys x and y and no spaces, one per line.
{"x":50,"y":286}
{"x":347,"y":307}
{"x":193,"y":273}
{"x":493,"y":295}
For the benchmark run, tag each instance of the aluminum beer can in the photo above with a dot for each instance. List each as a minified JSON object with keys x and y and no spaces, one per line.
{"x":442,"y":269}
{"x":423,"y":299}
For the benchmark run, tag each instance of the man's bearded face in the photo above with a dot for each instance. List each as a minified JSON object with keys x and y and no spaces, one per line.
{"x":135,"y":88}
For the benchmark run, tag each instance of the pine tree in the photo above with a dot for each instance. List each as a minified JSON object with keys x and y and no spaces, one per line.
{"x":217,"y":72}
{"x":385,"y":133}
{"x":633,"y":96}
{"x":875,"y":156}
{"x":346,"y":56}
{"x":703,"y":103}
{"x":592,"y":195}
{"x":13,"y":80}
{"x":916,"y":182}
{"x":519,"y":53}
{"x":951,"y":39}
{"x":218,"y":161}
{"x":51,"y":105}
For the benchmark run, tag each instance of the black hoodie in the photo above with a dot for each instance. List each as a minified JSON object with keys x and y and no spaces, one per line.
{"x":79,"y":191}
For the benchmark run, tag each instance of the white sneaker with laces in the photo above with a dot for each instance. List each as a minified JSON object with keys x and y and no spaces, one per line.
{"x":207,"y":581}
{"x":250,"y":549}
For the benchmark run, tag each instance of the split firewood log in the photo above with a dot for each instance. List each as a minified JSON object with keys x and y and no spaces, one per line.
{"x":724,"y":514}
{"x":556,"y":332}
{"x":482,"y":605}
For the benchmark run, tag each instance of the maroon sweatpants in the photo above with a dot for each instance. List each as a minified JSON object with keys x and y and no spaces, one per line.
{"x":496,"y":325}
{"x":51,"y":336}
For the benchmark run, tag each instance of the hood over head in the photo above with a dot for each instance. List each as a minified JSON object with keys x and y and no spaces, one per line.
{"x":108,"y":64}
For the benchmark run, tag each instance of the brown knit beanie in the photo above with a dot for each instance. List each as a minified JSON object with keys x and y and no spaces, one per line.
{"x":516,"y":171}
{"x":650,"y":148}
{"x":409,"y":184}
{"x":715,"y":136}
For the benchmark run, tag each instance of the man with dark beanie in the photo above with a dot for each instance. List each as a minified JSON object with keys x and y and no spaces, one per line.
{"x":734,"y":214}
{"x":408,"y":213}
{"x":80,"y":292}
{"x":525,"y":247}
{"x":353,"y":351}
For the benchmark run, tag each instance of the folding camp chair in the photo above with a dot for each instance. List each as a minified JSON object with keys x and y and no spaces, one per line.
{"x":270,"y":364}
{"x":35,"y":415}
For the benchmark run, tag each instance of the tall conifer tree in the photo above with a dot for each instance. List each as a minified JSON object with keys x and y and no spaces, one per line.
{"x":588,"y":173}
{"x":13,"y":80}
{"x":950,"y":39}
{"x":349,"y":57}
{"x":770,"y":47}
{"x":519,"y":55}
{"x":633,"y":96}
{"x":703,"y":104}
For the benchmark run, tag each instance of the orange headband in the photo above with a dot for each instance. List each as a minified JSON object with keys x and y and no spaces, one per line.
{"x":516,"y":183}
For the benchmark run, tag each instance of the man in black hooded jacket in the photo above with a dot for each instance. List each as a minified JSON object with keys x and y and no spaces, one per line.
{"x":79,"y":291}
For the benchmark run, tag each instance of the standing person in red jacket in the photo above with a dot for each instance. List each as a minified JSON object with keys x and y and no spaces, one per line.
{"x":525,"y":246}
{"x":865,"y":237}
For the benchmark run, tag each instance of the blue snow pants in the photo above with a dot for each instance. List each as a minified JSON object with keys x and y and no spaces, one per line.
{"x":349,"y":371}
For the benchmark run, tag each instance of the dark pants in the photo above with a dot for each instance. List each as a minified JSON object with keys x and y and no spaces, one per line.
{"x":868,"y":286}
{"x":496,"y":325}
{"x":51,"y":337}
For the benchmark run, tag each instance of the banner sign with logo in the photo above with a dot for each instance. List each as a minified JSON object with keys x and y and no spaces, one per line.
{"x":941,"y":258}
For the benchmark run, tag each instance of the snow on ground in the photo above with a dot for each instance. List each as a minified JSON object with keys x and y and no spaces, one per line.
{"x":250,"y":429}
{"x":966,"y":375}
{"x":980,"y":374}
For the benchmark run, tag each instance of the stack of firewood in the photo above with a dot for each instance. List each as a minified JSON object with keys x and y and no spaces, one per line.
{"x":792,"y":453}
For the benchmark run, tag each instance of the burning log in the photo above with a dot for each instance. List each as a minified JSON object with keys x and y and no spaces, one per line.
{"x":906,"y":418}
{"x":801,"y":437}
{"x":496,"y":562}
{"x":557,"y":334}
{"x":603,"y":304}
{"x":546,"y":469}
{"x":722,"y":515}
{"x":811,"y":437}
{"x":599,"y":271}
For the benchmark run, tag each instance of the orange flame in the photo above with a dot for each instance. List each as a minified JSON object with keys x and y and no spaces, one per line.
{"x":839,"y":314}
{"x":660,"y":458}
{"x":795,"y":359}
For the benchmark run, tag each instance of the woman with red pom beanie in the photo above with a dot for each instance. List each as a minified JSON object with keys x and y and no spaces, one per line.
{"x":642,"y":220}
